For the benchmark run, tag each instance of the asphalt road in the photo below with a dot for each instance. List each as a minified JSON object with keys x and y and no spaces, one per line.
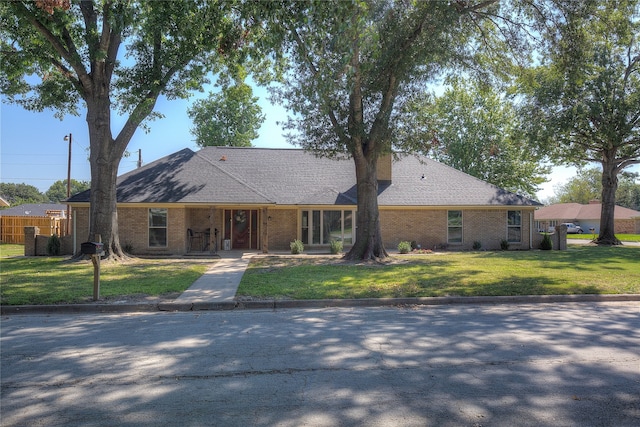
{"x":575,"y":364}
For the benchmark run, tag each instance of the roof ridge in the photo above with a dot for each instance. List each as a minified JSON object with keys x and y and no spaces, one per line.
{"x":232,"y":176}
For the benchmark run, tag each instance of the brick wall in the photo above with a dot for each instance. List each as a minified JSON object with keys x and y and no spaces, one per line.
{"x":428,"y":228}
{"x":282,"y":228}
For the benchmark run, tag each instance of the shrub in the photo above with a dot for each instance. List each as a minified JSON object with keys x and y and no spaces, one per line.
{"x":404,"y":247}
{"x":297,"y":247}
{"x":547,"y":243}
{"x":504,"y":245}
{"x":477,"y":246}
{"x":336,"y":246}
{"x":414,"y":245}
{"x":53,"y":245}
{"x":128,"y":248}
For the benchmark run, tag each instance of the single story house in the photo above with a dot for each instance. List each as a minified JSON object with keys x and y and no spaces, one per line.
{"x":626,"y":221}
{"x":221,"y":198}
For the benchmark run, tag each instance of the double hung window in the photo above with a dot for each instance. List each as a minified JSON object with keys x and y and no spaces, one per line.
{"x":157,"y":227}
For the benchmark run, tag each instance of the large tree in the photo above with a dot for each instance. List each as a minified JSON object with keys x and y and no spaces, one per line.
{"x":585,"y":97}
{"x":111,"y":56}
{"x":58,"y":190}
{"x":19,"y":194}
{"x":230,"y":117}
{"x":475,"y":129}
{"x":351,"y":66}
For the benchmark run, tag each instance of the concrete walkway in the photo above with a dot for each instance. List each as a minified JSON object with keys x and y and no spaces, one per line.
{"x":220,"y":282}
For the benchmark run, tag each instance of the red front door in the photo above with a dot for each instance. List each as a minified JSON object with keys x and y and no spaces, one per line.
{"x":241,"y":227}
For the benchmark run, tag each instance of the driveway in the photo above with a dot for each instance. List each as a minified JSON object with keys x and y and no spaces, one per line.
{"x":574,"y":364}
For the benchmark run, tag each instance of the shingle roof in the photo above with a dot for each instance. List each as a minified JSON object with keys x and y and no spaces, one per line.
{"x":228,"y":175}
{"x":33,"y":209}
{"x":577,"y":211}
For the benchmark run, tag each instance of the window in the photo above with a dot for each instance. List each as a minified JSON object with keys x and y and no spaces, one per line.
{"x":514,"y":226}
{"x":157,"y":227}
{"x":454,"y":226}
{"x":320,"y":227}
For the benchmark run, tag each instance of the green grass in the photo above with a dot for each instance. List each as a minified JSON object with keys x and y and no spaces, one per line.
{"x":623,"y":237}
{"x":55,"y":280}
{"x":579,"y":270}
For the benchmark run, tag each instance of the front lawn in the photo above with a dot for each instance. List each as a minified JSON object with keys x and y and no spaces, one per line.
{"x":622,"y":237}
{"x":56,"y":280}
{"x":579,"y":270}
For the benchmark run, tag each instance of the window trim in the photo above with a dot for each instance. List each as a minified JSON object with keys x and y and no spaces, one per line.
{"x":461,"y":227}
{"x":306,"y":230}
{"x":514,"y":226}
{"x":151,"y":227}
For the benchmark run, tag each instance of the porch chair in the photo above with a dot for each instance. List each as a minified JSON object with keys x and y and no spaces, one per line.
{"x":191,"y":236}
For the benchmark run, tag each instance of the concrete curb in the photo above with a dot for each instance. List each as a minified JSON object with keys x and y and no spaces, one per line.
{"x":288,"y":304}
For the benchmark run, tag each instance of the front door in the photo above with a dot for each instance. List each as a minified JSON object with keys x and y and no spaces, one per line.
{"x":241,"y":228}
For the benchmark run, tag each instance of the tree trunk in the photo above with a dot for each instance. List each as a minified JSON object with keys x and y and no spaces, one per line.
{"x":105,"y":159}
{"x":368,"y":244}
{"x":609,"y":186}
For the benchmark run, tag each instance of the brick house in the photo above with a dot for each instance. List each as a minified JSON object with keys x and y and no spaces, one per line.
{"x":625,"y":220}
{"x":260,"y":199}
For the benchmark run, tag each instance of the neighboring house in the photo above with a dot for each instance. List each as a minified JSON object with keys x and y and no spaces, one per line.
{"x":263,"y":199}
{"x":3,"y":202}
{"x":587,"y":217}
{"x":46,"y":216}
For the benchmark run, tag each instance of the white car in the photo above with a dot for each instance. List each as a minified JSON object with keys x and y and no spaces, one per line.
{"x":572,"y":228}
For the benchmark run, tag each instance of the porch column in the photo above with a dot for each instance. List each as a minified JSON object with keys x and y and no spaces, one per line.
{"x":264,"y":235}
{"x":212,"y":233}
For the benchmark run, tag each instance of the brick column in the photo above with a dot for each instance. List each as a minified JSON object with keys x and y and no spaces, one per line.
{"x":560,"y":238}
{"x":30,"y":234}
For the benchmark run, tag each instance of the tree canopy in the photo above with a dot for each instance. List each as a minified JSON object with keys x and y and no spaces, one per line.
{"x":19,"y":194}
{"x":350,"y":66}
{"x":113,"y":56}
{"x":230,"y":117}
{"x":585,"y":96}
{"x":58,"y":190}
{"x":476,"y":130}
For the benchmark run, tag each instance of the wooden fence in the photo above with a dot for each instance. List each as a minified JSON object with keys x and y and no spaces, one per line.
{"x":12,"y":227}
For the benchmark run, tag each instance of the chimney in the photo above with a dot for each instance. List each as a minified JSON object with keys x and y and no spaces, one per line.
{"x":384,"y":167}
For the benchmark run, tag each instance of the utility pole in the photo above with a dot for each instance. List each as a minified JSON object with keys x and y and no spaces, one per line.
{"x":68,"y":231}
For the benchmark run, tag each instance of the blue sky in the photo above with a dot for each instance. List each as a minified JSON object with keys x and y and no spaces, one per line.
{"x":33,"y":150}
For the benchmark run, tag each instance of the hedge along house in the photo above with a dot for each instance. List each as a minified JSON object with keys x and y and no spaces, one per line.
{"x":222,"y":198}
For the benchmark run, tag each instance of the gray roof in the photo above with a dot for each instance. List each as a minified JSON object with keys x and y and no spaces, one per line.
{"x":33,"y":209}
{"x":234,"y":175}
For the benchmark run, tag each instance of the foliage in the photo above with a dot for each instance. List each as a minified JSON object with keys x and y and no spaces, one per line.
{"x":297,"y":247}
{"x":448,"y":274}
{"x":404,"y":247}
{"x":586,"y":185}
{"x":53,"y":245}
{"x":47,"y":280}
{"x":19,"y":194}
{"x":546,"y":244}
{"x":336,"y":246}
{"x":477,"y":245}
{"x":71,"y":56}
{"x":476,"y":130}
{"x":348,"y":67}
{"x":584,"y":100}
{"x":58,"y":190}
{"x":231,"y":117}
{"x":504,"y":245}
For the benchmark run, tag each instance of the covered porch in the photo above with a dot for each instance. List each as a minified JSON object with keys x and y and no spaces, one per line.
{"x":209,"y":229}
